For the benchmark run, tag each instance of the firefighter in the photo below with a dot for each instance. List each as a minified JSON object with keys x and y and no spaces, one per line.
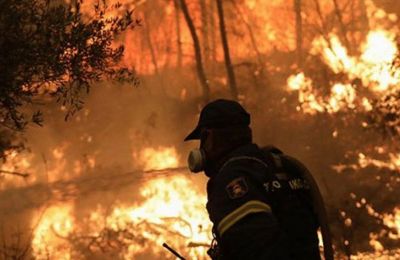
{"x":258,"y":202}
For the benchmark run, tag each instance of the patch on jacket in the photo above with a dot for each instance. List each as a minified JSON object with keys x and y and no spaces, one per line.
{"x":237,"y":188}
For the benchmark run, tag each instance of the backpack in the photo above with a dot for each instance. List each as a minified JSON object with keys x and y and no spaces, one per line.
{"x":295,"y":200}
{"x":291,"y":201}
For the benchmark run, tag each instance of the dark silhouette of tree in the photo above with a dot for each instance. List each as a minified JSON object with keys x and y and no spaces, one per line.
{"x":213,"y":41}
{"x":204,"y":31}
{"x":151,"y":47}
{"x":46,"y":47}
{"x":385,"y":115}
{"x":196,"y":44}
{"x":299,"y":33}
{"x":49,"y":49}
{"x":227,"y":57}
{"x":178,"y":34}
{"x":342,"y":26}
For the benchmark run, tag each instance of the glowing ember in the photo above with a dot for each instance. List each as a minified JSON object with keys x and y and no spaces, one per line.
{"x":307,"y":98}
{"x":342,"y":96}
{"x":393,"y":163}
{"x":382,"y":255}
{"x":375,"y":243}
{"x":296,"y":82}
{"x":393,"y":222}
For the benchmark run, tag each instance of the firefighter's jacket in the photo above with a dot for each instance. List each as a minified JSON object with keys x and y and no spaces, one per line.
{"x":242,"y":212}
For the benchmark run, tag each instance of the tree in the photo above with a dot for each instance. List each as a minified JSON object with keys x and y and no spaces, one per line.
{"x":178,"y":35}
{"x":342,"y":26}
{"x":299,"y":33}
{"x":49,"y":49}
{"x":204,"y":31}
{"x":52,"y":48}
{"x":196,"y":44}
{"x":260,"y":69}
{"x":227,"y":57}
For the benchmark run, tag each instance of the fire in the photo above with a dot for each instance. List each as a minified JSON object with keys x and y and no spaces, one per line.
{"x":173,"y":214}
{"x":169,"y":213}
{"x":15,"y":163}
{"x":158,"y":159}
{"x":333,"y":52}
{"x":373,"y":67}
{"x":298,"y":81}
{"x":48,"y":237}
{"x":393,"y":162}
{"x":170,"y":209}
{"x":310,"y":102}
{"x":393,"y":222}
{"x":342,"y":96}
{"x":376,"y":245}
{"x":379,"y":53}
{"x":379,"y":48}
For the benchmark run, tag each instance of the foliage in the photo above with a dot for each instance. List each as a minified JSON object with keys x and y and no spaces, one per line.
{"x":50,"y":48}
{"x":385,"y":115}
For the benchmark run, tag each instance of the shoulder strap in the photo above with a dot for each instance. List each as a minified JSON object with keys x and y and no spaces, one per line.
{"x":275,"y":156}
{"x":269,"y":175}
{"x":238,"y":158}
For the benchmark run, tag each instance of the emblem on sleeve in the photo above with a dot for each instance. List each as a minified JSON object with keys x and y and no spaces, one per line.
{"x":237,"y":188}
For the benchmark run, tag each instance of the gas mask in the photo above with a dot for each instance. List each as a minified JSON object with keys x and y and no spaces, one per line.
{"x":197,"y":157}
{"x":196,"y":160}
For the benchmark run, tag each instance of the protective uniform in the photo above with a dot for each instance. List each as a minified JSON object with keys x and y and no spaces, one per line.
{"x":257,"y":212}
{"x":258,"y":202}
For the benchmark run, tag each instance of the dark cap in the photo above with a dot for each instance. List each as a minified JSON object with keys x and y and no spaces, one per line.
{"x":220,"y":113}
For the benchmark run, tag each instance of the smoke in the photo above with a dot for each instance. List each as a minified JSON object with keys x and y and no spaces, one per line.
{"x":93,"y":162}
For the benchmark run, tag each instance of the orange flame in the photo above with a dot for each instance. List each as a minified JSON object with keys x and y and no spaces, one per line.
{"x":373,"y":67}
{"x":171,"y":211}
{"x":157,"y":158}
{"x":55,"y":224}
{"x":393,"y":221}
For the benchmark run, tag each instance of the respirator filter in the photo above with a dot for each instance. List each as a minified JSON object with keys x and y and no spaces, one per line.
{"x":196,"y":160}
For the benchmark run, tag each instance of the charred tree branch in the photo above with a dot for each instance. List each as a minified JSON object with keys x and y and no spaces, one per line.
{"x":19,"y":174}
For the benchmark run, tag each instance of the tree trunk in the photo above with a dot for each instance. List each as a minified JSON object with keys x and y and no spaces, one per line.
{"x":204,"y":31}
{"x":338,"y":14}
{"x":225,"y":45}
{"x":178,"y":35}
{"x":196,"y":44}
{"x":151,"y":47}
{"x":324,"y":29}
{"x":299,"y":33}
{"x":364,"y":17}
{"x":213,"y":37}
{"x":259,"y":71}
